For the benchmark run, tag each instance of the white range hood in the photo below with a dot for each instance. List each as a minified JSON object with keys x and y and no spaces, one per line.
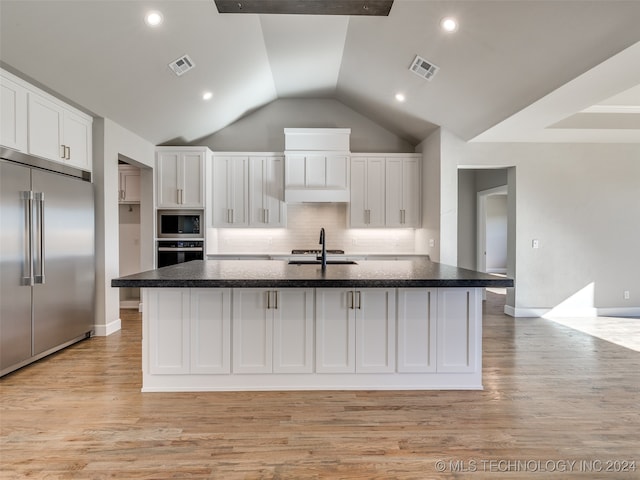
{"x":316,"y":165}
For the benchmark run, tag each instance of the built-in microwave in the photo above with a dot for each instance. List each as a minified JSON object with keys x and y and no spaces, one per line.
{"x":180,"y":224}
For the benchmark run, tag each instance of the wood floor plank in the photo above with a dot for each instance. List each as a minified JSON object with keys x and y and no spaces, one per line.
{"x":551,"y":394}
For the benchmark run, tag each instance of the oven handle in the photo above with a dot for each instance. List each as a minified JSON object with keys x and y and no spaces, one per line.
{"x":180,"y":249}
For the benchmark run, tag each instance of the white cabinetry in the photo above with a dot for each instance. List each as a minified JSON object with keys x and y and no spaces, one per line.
{"x":355,"y":330}
{"x":190,"y":332}
{"x":272,"y":330}
{"x":35,"y":122}
{"x":13,"y":114}
{"x":417,"y":310}
{"x":129,"y":184}
{"x":459,"y":330}
{"x":57,"y":133}
{"x":402,"y":187}
{"x":367,"y":192}
{"x":248,"y":191}
{"x":316,"y":177}
{"x":230,"y":191}
{"x":180,"y":177}
{"x":266,"y":191}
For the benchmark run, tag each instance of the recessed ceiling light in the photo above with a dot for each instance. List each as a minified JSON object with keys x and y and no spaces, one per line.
{"x":153,"y":19}
{"x":400,"y":97}
{"x":207,"y":96}
{"x":449,"y":24}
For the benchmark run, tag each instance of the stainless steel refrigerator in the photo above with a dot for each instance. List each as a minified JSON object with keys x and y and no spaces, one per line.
{"x":47,"y":267}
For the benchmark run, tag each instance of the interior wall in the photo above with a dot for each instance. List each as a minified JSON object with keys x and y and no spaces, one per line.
{"x":303,"y":232}
{"x":129,"y":246}
{"x":580,"y":202}
{"x":470,"y":182}
{"x":110,"y":141}
{"x":263,"y":130}
{"x":427,"y":238}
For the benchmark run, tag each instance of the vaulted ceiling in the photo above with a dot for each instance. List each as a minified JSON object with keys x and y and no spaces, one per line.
{"x":513,"y":71}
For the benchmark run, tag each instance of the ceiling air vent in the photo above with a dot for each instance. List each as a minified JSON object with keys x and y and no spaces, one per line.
{"x":182,"y":65}
{"x":423,"y":68}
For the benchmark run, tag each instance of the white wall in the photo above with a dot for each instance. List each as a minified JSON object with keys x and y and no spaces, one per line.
{"x":303,"y":232}
{"x":109,"y":141}
{"x":428,"y":237}
{"x":263,"y":130}
{"x":581,"y":202}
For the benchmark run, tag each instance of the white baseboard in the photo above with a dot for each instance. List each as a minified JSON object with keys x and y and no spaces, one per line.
{"x":106,"y":330}
{"x":520,"y":312}
{"x":129,"y":304}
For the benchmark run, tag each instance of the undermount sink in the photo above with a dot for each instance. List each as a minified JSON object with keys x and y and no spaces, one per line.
{"x":319,"y":262}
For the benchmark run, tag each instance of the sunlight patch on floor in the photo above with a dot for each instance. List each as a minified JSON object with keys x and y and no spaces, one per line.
{"x":621,"y":331}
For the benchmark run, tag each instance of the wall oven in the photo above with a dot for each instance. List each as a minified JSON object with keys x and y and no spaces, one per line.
{"x":171,"y":252}
{"x":180,"y":224}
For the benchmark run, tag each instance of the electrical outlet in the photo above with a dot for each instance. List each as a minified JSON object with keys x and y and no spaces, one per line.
{"x":432,"y":242}
{"x":535,"y":243}
{"x":626,"y":295}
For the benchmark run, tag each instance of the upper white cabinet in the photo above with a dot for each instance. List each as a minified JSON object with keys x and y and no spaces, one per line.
{"x":129,"y":184}
{"x":367,"y":192}
{"x":355,"y":330}
{"x":230,"y":191}
{"x":316,"y":164}
{"x":266,"y":192}
{"x":13,"y":114}
{"x":385,"y":190}
{"x":180,"y":177}
{"x":316,"y":177}
{"x":248,"y":190}
{"x":402,"y":188}
{"x":39,"y":124}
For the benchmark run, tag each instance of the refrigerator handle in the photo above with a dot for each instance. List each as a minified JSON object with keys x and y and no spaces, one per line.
{"x":27,"y":278}
{"x":39,"y":277}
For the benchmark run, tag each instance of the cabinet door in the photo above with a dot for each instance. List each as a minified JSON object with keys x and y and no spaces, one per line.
{"x":417,"y":330}
{"x":191,"y":179}
{"x":358,"y":215}
{"x":76,"y":137}
{"x":411,"y":203}
{"x":335,"y":331}
{"x":13,"y":115}
{"x":375,"y":330}
{"x":211,"y":330}
{"x":459,"y":329}
{"x":266,"y":192}
{"x":167,"y":168}
{"x":167,"y":315}
{"x":274,"y":192}
{"x":337,"y":172}
{"x":129,"y":184}
{"x":44,"y":128}
{"x":252,"y":331}
{"x":292,"y":330}
{"x":230,"y":191}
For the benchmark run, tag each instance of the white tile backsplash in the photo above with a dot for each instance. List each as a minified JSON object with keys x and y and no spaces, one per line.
{"x":303,"y":231}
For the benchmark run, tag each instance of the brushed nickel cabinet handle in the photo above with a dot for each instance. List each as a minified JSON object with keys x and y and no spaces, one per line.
{"x":359,"y":293}
{"x":63,"y":151}
{"x":268,"y":299}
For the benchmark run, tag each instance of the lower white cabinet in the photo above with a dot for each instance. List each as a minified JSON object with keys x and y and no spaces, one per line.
{"x":191,"y":331}
{"x":417,"y":313}
{"x":459,"y":336}
{"x":304,"y":338}
{"x":355,"y":330}
{"x":272,"y":330}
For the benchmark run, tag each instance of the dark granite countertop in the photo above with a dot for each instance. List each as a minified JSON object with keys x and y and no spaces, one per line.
{"x":277,"y":273}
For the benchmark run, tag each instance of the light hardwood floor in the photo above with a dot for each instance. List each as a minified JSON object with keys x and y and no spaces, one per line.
{"x":552,"y":395}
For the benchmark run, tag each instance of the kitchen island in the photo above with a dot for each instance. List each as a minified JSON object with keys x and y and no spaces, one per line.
{"x":267,"y":325}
